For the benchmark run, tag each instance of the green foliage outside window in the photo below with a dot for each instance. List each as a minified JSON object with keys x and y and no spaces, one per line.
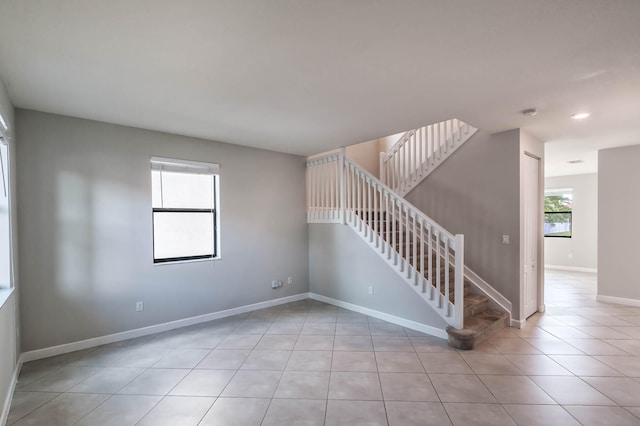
{"x":558,"y":215}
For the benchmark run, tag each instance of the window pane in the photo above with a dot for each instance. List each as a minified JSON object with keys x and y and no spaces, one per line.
{"x":5,"y":244}
{"x":557,"y":224}
{"x":182,"y":234}
{"x":186,"y":190}
{"x":558,"y":202}
{"x":558,"y":206}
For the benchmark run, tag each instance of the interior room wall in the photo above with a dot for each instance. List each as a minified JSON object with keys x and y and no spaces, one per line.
{"x":386,"y":143}
{"x":343,"y":267}
{"x":581,"y":250}
{"x":367,"y":155}
{"x":618,"y":228}
{"x":84,"y":199}
{"x":476,"y":193}
{"x":9,"y":347}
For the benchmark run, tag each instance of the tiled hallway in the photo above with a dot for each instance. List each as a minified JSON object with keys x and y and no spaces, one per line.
{"x":311,"y":363}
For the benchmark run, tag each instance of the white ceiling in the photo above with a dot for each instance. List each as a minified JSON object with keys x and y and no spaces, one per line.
{"x":303,"y":76}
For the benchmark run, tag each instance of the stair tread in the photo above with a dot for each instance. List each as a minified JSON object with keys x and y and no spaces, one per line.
{"x":474,"y":299}
{"x":476,"y":329}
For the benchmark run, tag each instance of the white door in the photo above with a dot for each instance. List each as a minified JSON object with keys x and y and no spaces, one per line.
{"x":531,"y":233}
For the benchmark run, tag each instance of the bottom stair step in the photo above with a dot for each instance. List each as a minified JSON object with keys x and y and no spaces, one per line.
{"x":477,"y":329}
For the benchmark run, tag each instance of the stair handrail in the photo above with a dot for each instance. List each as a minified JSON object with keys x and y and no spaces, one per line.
{"x":419,"y":151}
{"x":402,"y":140}
{"x":332,"y":207}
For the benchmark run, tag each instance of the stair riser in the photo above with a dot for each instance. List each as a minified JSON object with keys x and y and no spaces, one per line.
{"x":469,"y":311}
{"x":462,"y":339}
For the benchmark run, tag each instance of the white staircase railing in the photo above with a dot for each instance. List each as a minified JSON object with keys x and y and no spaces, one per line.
{"x":420,"y":151}
{"x":424,"y":254}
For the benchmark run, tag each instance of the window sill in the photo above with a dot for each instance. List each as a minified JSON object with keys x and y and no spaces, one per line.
{"x":179,"y":262}
{"x":5,"y":293}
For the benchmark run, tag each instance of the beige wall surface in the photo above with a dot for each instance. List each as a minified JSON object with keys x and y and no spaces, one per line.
{"x":476,"y":193}
{"x":618,"y":228}
{"x":84,"y":198}
{"x":581,"y":250}
{"x":367,"y":155}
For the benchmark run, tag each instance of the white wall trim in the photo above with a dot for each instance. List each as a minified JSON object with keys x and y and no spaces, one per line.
{"x":4,"y":416}
{"x":571,"y":268}
{"x":517,"y":323}
{"x":144,"y":331}
{"x":413,"y":325}
{"x":618,"y":300}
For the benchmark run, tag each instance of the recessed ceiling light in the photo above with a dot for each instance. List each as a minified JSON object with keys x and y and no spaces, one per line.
{"x":529,"y":112}
{"x":575,"y":161}
{"x":579,"y":115}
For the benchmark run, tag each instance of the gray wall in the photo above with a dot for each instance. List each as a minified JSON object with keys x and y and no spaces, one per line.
{"x":618,"y":228}
{"x":9,"y":347}
{"x":342,"y":266}
{"x":476,"y":192}
{"x":84,"y":199}
{"x":581,"y":250}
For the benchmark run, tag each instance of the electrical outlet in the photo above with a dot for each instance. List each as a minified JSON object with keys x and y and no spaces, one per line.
{"x":505,"y":239}
{"x":370,"y":289}
{"x":139,"y":306}
{"x":290,"y":281}
{"x":274,"y":284}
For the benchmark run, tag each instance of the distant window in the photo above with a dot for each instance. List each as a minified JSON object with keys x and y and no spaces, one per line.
{"x":185,"y":214}
{"x":558,"y":213}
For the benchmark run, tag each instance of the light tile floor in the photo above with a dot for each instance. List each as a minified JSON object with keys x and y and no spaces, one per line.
{"x":311,"y":363}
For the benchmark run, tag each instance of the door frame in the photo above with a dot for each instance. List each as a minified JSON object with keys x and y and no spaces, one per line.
{"x":540,"y":270}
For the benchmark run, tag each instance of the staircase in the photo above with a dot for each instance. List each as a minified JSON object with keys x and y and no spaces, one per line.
{"x":426,"y":256}
{"x":480,"y":322}
{"x":420,"y":151}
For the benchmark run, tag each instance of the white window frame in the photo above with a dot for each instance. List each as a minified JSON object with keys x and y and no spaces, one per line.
{"x":559,"y":191}
{"x":193,"y":167}
{"x":5,"y":192}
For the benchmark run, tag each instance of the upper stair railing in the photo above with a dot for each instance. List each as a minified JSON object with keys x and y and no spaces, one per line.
{"x":420,"y":151}
{"x":425,"y":255}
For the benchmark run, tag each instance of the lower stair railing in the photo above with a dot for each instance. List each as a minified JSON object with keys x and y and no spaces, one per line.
{"x":425,"y":255}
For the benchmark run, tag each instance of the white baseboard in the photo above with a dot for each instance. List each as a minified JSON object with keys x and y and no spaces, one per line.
{"x":158,"y":328}
{"x":4,"y":415}
{"x":517,"y":323}
{"x":571,"y":268}
{"x":413,"y":325}
{"x":618,"y":300}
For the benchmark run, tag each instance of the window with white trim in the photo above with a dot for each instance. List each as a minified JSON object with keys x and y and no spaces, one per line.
{"x":558,"y":213}
{"x":5,"y":221}
{"x":185,"y":210}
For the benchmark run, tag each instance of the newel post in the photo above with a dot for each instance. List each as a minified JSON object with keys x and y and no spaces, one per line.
{"x":459,"y":282}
